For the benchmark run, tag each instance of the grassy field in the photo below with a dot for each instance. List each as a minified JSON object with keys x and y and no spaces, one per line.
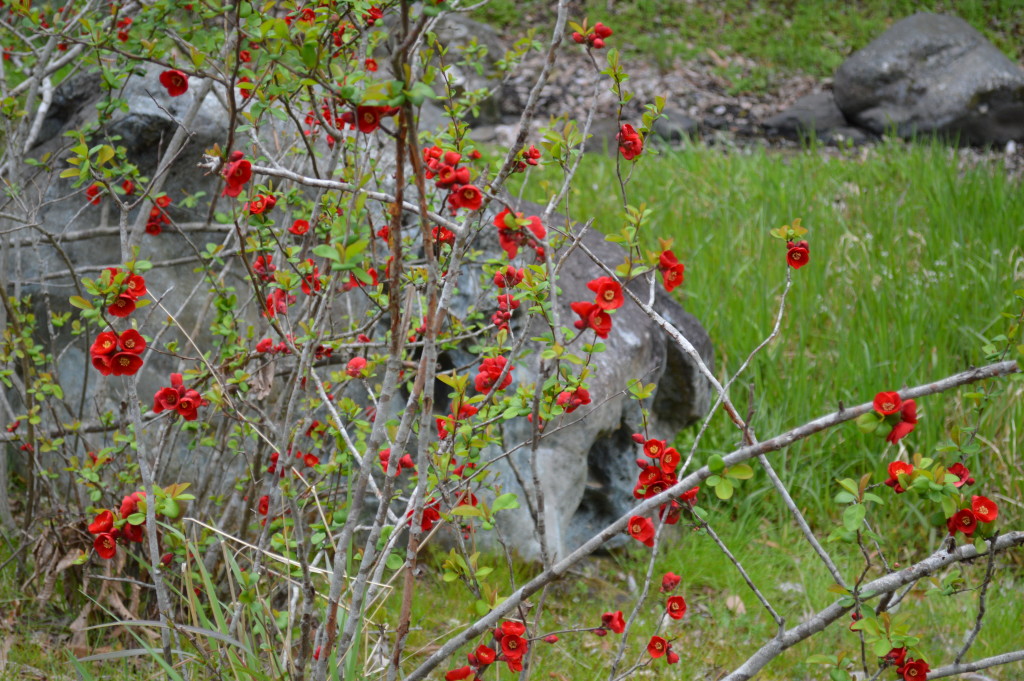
{"x":817,"y":35}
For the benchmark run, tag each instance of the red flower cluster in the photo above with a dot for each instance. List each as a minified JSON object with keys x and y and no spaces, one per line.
{"x":966,"y":520}
{"x":596,"y":38}
{"x":506,"y":304}
{"x":888,"y":404}
{"x":467,"y":196}
{"x":671,"y":270}
{"x":573,"y":400}
{"x":133,"y":287}
{"x":512,"y":236}
{"x":237,"y":172}
{"x":277,"y":302}
{"x":631,"y":144}
{"x":490,"y":372}
{"x":264,"y":267}
{"x":92,"y":193}
{"x":118,"y":355}
{"x":962,"y":472}
{"x":260,"y":204}
{"x":177,"y":398}
{"x":797,"y":254}
{"x":527,"y":157}
{"x":613,"y":621}
{"x":309,"y":459}
{"x":659,"y":647}
{"x":405,"y":461}
{"x":366,"y":118}
{"x":107,"y":528}
{"x":157,"y":217}
{"x":446,"y":425}
{"x":175,"y":81}
{"x":595,"y":315}
{"x":910,"y":669}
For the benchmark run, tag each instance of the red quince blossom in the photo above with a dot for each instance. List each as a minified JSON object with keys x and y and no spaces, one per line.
{"x":914,"y":670}
{"x":105,"y":545}
{"x":630,"y":143}
{"x":237,"y":172}
{"x":467,"y":196}
{"x":129,"y":187}
{"x":431,"y":514}
{"x":670,"y":460}
{"x":657,"y":647}
{"x":104,"y":522}
{"x":964,"y":521}
{"x":459,"y":674}
{"x":985,"y":509}
{"x":797,"y":254}
{"x":896,"y":657}
{"x":490,"y":371}
{"x":675,"y":606}
{"x":895,"y":469}
{"x":573,"y":400}
{"x":175,"y":81}
{"x":404,"y":461}
{"x":266,"y":345}
{"x":299,"y":227}
{"x":277,"y":302}
{"x":886,"y":403}
{"x":178,"y":398}
{"x":510,"y":277}
{"x":261,"y":204}
{"x":671,"y":656}
{"x":92,"y":193}
{"x":654,"y":448}
{"x":512,"y":235}
{"x":130,"y":504}
{"x":962,"y":472}
{"x":356,"y":366}
{"x":609,"y":293}
{"x":671,"y":269}
{"x":641,"y":529}
{"x":906,"y":424}
{"x":485,"y":655}
{"x":264,"y":267}
{"x":244,"y":56}
{"x":264,"y":505}
{"x":592,"y":317}
{"x":614,"y":621}
{"x":669,"y":582}
{"x":311,"y":277}
{"x":596,"y":38}
{"x":372,"y":15}
{"x":108,"y":360}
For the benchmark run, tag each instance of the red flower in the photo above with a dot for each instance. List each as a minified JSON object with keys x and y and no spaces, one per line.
{"x":122,"y":306}
{"x":896,"y":656}
{"x":125,"y":364}
{"x":244,"y":93}
{"x":130,"y":504}
{"x":277,"y":302}
{"x":133,"y":533}
{"x":105,"y":344}
{"x":512,"y":628}
{"x":670,"y":460}
{"x":798,"y":254}
{"x":602,"y":31}
{"x":178,"y":398}
{"x":264,"y":267}
{"x":675,"y":606}
{"x":513,"y":646}
{"x":669,"y":582}
{"x":311,"y":280}
{"x":244,"y":56}
{"x":895,"y":469}
{"x":573,"y":400}
{"x":985,"y":509}
{"x":175,"y":81}
{"x":372,"y":15}
{"x":592,"y":317}
{"x":654,"y":448}
{"x":614,"y":621}
{"x":311,"y":460}
{"x":299,"y":227}
{"x":887,"y":403}
{"x":261,"y":204}
{"x":355,"y":367}
{"x":490,"y":371}
{"x":914,"y":670}
{"x":962,"y":472}
{"x":132,"y":341}
{"x":671,"y":657}
{"x":265,"y":345}
{"x":189,"y":403}
{"x":511,"y":234}
{"x":165,"y":399}
{"x":609,"y":293}
{"x":237,"y":173}
{"x":129,"y":187}
{"x":962,"y":521}
{"x":105,"y":545}
{"x":459,"y":674}
{"x":467,"y":196}
{"x":509,"y":278}
{"x":264,"y":505}
{"x":630,"y":143}
{"x":103,"y":523}
{"x":671,"y":270}
{"x":907,"y":423}
{"x":485,"y":655}
{"x":642,"y":529}
{"x":657,"y":647}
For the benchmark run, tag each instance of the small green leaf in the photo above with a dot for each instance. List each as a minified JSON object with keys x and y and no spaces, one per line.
{"x":715,"y":463}
{"x":723,"y":490}
{"x":394,"y":561}
{"x":821,"y":659}
{"x":853,"y":517}
{"x":741,"y":471}
{"x":505,"y":502}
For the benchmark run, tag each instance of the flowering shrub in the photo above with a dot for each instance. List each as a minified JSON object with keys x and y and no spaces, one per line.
{"x":313,"y":379}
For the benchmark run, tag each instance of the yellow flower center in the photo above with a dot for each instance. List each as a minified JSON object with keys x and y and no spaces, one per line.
{"x":983,"y":510}
{"x":888,"y":406}
{"x":124,"y":361}
{"x":609,"y":295}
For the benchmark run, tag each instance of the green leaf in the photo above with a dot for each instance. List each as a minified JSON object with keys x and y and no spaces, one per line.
{"x":839,"y":675}
{"x":948,"y":506}
{"x":869,"y":422}
{"x":80,"y":302}
{"x":327,"y":251}
{"x":505,"y":502}
{"x":980,"y":545}
{"x":853,"y":517}
{"x":723,"y":490}
{"x":881,"y":647}
{"x":741,"y":471}
{"x":871,"y":496}
{"x":713,"y":480}
{"x":468,"y":511}
{"x":715,"y":463}
{"x":845,"y":497}
{"x":394,"y":561}
{"x":821,"y":659}
{"x":136,"y":518}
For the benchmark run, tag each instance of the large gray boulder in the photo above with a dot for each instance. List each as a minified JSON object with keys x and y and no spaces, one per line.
{"x":934,"y":74}
{"x":588,"y":471}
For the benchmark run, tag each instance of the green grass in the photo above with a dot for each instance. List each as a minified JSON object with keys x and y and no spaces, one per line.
{"x":816,"y":36}
{"x":912,"y":264}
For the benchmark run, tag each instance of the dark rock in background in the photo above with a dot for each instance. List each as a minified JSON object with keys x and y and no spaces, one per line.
{"x":934,"y":74}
